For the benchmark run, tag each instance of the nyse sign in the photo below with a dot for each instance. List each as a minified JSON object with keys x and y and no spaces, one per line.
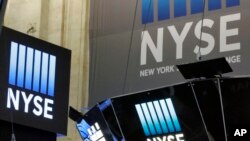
{"x":159,"y":120}
{"x":166,"y":33}
{"x":180,"y":8}
{"x":179,"y":35}
{"x":31,"y":70}
{"x":176,"y":137}
{"x":157,"y":48}
{"x":34,"y":91}
{"x":42,"y":106}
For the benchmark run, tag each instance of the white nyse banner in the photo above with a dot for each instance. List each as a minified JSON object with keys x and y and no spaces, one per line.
{"x":166,"y":33}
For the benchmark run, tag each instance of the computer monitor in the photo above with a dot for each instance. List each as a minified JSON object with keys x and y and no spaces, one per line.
{"x":169,"y":112}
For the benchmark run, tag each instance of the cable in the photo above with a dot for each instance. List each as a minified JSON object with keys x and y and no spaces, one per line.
{"x":199,"y":55}
{"x":130,"y":46}
{"x":148,"y":12}
{"x":222,"y":109}
{"x":11,"y":118}
{"x":144,"y":28}
{"x":13,"y":138}
{"x":198,"y":106}
{"x":94,"y":44}
{"x":131,"y":40}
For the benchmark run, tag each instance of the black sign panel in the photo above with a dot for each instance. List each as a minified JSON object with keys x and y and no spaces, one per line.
{"x":34,"y":82}
{"x":169,"y":113}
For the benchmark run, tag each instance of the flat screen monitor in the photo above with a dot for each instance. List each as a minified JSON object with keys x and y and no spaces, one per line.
{"x":165,"y":113}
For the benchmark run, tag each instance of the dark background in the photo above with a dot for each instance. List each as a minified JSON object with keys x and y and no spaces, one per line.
{"x":23,"y":133}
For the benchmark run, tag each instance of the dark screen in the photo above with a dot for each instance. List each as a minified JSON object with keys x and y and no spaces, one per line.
{"x":209,"y":101}
{"x":236,"y":97}
{"x":226,"y":98}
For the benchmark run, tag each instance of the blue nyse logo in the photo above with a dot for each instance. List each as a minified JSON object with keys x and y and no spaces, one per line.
{"x":83,"y":128}
{"x":180,"y":8}
{"x":32,"y":69}
{"x":90,"y":133}
{"x":158,"y":117}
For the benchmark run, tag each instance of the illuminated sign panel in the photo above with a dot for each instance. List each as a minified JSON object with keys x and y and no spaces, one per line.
{"x":32,"y":70}
{"x":164,"y":114}
{"x":158,"y":115}
{"x":90,"y":133}
{"x":180,"y":8}
{"x":37,"y":67}
{"x":35,"y":82}
{"x":159,"y":118}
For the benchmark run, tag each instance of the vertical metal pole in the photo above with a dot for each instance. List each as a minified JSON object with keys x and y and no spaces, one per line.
{"x":197,"y":102}
{"x":222,"y":108}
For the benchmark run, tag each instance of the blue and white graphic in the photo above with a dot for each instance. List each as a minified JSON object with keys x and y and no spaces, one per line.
{"x":158,"y":117}
{"x":90,"y":133}
{"x":180,"y":8}
{"x":83,"y":128}
{"x":32,"y":69}
{"x":95,"y":133}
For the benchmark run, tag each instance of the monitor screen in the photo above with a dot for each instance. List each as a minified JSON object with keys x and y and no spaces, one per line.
{"x":236,"y":105}
{"x":166,"y":113}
